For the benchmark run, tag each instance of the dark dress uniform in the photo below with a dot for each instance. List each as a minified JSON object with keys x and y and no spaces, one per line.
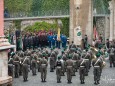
{"x":97,"y":64}
{"x":25,"y":67}
{"x":82,"y":67}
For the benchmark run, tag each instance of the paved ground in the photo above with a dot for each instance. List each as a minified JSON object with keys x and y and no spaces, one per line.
{"x":107,"y":79}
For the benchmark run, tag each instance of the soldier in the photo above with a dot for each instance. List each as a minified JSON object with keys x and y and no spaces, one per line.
{"x":111,"y":56}
{"x":52,"y":62}
{"x":72,"y":45}
{"x":75,"y":59}
{"x":82,"y":66}
{"x":58,"y":69}
{"x":69,"y":65}
{"x":10,"y":66}
{"x":43,"y":71}
{"x":25,"y":67}
{"x":97,"y":64}
{"x":34,"y":65}
{"x":17,"y":66}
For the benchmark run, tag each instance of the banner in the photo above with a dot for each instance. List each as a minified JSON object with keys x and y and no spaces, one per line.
{"x":58,"y":35}
{"x":77,"y":35}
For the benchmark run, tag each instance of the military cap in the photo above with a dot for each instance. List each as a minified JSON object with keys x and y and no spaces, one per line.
{"x":59,"y":57}
{"x":98,"y":55}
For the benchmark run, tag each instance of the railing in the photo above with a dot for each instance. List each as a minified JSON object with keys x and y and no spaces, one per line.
{"x":36,"y":14}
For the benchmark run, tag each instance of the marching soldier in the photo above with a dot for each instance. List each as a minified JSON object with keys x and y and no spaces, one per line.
{"x":52,"y":62}
{"x":10,"y":66}
{"x":25,"y":68}
{"x":97,"y":64}
{"x":111,"y":56}
{"x":34,"y":65}
{"x":75,"y":59}
{"x":17,"y":66}
{"x":82,"y":67}
{"x":58,"y":69}
{"x":43,"y":66}
{"x":69,"y":65}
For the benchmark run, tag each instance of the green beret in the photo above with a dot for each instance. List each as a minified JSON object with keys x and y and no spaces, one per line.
{"x":59,"y":57}
{"x":98,"y":55}
{"x":62,"y":51}
{"x":43,"y":55}
{"x":70,"y":56}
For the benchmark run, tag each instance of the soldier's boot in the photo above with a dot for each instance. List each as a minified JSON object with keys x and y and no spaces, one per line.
{"x":110,"y":65}
{"x":98,"y":82}
{"x":83,"y":82}
{"x":59,"y":81}
{"x":44,"y":80}
{"x":95,"y":83}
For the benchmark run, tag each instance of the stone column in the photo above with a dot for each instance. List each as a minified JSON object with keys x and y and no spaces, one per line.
{"x":81,"y":15}
{"x":114,"y":17}
{"x":1,"y":17}
{"x":111,"y":5}
{"x":72,"y":20}
{"x":4,"y":46}
{"x":107,"y":28}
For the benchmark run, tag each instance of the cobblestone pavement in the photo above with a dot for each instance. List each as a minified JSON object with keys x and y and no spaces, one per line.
{"x":107,"y":79}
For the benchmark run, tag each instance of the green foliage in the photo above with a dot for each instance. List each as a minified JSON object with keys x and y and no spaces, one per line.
{"x":65,"y":28}
{"x":18,"y":5}
{"x":101,"y":6}
{"x":41,"y":26}
{"x":17,"y":24}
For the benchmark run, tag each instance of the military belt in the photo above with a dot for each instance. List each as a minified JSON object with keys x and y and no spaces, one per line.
{"x":86,"y":59}
{"x":82,"y":66}
{"x":96,"y":66}
{"x":16,"y":61}
{"x":69,"y":66}
{"x":43,"y":64}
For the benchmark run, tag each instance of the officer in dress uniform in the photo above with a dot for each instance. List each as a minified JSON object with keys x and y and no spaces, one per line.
{"x":97,"y":64}
{"x":69,"y":66}
{"x":58,"y":69}
{"x":43,"y":69}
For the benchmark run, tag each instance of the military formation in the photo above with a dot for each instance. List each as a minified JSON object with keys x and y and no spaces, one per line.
{"x":72,"y":59}
{"x":42,"y":39}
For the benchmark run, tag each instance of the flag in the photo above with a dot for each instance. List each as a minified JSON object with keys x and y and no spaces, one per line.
{"x":58,"y":35}
{"x":95,"y":33}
